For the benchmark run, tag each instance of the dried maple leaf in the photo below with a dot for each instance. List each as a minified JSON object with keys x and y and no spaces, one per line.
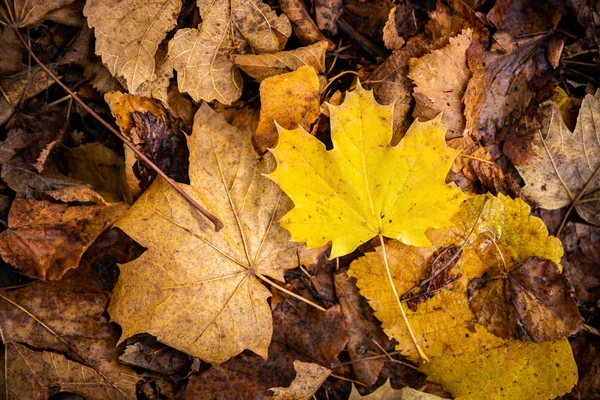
{"x":467,"y":359}
{"x":564,"y":169}
{"x":262,"y":66}
{"x":287,"y":100}
{"x":309,"y":378}
{"x":128,"y":34}
{"x":194,"y":289}
{"x":386,"y":392}
{"x":201,"y":56}
{"x":341,"y":195}
{"x":44,"y":240}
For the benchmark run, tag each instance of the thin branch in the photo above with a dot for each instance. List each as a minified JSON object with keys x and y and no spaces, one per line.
{"x":284,"y":290}
{"x":214,"y":220}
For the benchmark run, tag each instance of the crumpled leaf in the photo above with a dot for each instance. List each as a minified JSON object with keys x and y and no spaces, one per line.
{"x":566,"y":163}
{"x":309,"y":378}
{"x":197,"y":290}
{"x":441,"y":79}
{"x":288,"y":100}
{"x":342,"y":196}
{"x":386,"y":392}
{"x":262,"y":66}
{"x":467,"y":359}
{"x":128,"y":34}
{"x":201,"y":56}
{"x":58,"y":320}
{"x":533,"y":301}
{"x":44,"y":240}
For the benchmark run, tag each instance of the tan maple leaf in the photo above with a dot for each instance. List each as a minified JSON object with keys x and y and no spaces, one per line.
{"x":194,"y":289}
{"x":128,"y":33}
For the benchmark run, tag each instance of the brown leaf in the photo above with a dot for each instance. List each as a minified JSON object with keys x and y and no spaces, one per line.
{"x":44,"y":240}
{"x":58,"y":320}
{"x":309,"y":378}
{"x":154,"y":356}
{"x":386,"y":392}
{"x":522,"y":17}
{"x":19,"y":88}
{"x":100,"y":78}
{"x":12,"y":52}
{"x":588,"y":363}
{"x":400,"y":25}
{"x":327,"y":12}
{"x":262,"y":66}
{"x":128,"y":34}
{"x":532,"y":301}
{"x":582,"y":266}
{"x":363,"y":331}
{"x":263,"y":29}
{"x":29,"y":12}
{"x":304,"y":27}
{"x":123,"y":105}
{"x":290,"y":99}
{"x":368,"y":17}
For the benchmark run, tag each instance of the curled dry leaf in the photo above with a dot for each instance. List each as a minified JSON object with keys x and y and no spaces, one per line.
{"x":57,"y":337}
{"x":44,"y":240}
{"x":288,"y":100}
{"x":327,"y":13}
{"x":533,"y":301}
{"x":386,"y":392}
{"x":400,"y":25}
{"x":309,"y":378}
{"x":262,"y":66}
{"x":565,"y":166}
{"x":467,"y":359}
{"x":128,"y":34}
{"x":304,"y":27}
{"x":197,"y":290}
{"x":354,"y":201}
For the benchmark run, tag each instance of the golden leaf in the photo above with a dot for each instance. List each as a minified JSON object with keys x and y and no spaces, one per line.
{"x":262,"y":66}
{"x":197,"y":290}
{"x":342,"y":196}
{"x":128,"y":34}
{"x":565,"y":166}
{"x":465,"y":357}
{"x":309,"y":378}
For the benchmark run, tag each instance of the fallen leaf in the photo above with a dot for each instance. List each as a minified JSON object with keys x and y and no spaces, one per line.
{"x":304,"y":27}
{"x":128,"y":34}
{"x":327,"y":13}
{"x":163,"y":72}
{"x":363,"y":331}
{"x":263,"y":29}
{"x":309,"y":378}
{"x":441,"y":79}
{"x":12,"y":52}
{"x":124,"y":105}
{"x":196,"y":290}
{"x":522,"y":17}
{"x":262,"y":66}
{"x":467,"y":359}
{"x":354,"y":201}
{"x":588,"y":361}
{"x":44,"y":240}
{"x":582,"y":264}
{"x":531,"y":301}
{"x":400,"y":25}
{"x":30,"y":12}
{"x":564,"y":168}
{"x":386,"y":392}
{"x":20,"y":88}
{"x":100,"y":78}
{"x":154,"y":356}
{"x":57,"y":334}
{"x":289,"y":100}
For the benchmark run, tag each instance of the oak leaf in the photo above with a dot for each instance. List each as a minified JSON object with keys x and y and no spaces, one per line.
{"x":342,"y":196}
{"x":309,"y":378}
{"x":128,"y":34}
{"x":262,"y":66}
{"x":467,"y":359}
{"x":565,"y":166}
{"x":194,"y":289}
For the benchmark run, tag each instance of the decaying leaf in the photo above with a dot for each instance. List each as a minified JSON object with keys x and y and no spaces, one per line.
{"x":467,"y":359}
{"x":57,"y":338}
{"x":21,"y":87}
{"x":263,"y":29}
{"x":342,"y":197}
{"x":197,"y":290}
{"x":327,"y":13}
{"x":304,"y":27}
{"x":565,"y":166}
{"x":309,"y":378}
{"x":154,"y":356}
{"x":44,"y":240}
{"x":531,"y":301}
{"x":441,"y":79}
{"x":262,"y":66}
{"x":30,"y":12}
{"x":386,"y":392}
{"x":128,"y":34}
{"x":12,"y":52}
{"x":290,"y":100}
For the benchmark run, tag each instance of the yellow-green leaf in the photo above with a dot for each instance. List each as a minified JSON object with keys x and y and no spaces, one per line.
{"x":364,"y":186}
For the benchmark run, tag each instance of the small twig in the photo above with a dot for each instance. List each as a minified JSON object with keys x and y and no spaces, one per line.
{"x":347,"y":379}
{"x":288,"y":292}
{"x":591,"y":330}
{"x":214,"y":220}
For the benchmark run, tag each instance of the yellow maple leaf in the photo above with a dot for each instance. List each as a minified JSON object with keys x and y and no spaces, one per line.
{"x":197,"y":290}
{"x":465,"y":357}
{"x":364,"y":187}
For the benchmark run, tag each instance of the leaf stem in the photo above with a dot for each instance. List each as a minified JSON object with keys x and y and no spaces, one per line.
{"x":397,"y":297}
{"x":214,"y":220}
{"x":284,"y":290}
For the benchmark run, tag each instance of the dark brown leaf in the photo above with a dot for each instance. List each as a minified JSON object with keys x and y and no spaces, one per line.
{"x":147,"y":353}
{"x":533,"y":301}
{"x":327,"y":12}
{"x":304,"y":27}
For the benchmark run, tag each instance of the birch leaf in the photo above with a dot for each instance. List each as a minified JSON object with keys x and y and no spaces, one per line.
{"x":197,"y":290}
{"x":365,"y":187}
